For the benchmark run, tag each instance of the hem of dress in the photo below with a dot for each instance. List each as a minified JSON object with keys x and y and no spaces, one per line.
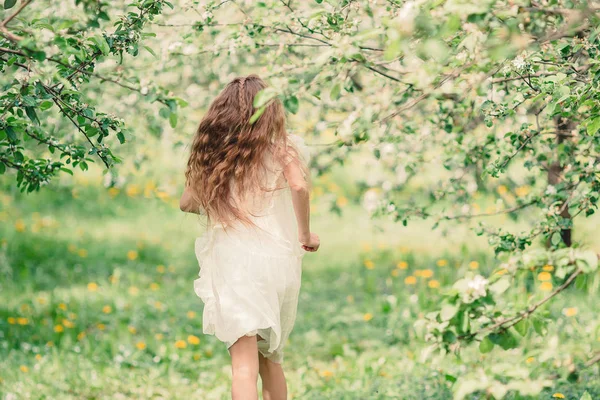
{"x":272,"y":356}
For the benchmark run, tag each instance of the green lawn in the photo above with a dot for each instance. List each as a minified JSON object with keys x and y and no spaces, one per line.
{"x":96,"y":302}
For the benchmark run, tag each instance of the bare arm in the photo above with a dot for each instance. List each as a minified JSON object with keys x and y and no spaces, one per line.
{"x":300,"y":198}
{"x":187,"y":203}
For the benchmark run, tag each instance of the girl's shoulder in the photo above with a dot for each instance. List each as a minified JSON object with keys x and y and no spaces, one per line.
{"x":300,"y":145}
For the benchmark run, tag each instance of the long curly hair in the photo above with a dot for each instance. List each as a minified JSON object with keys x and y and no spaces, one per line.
{"x":227,"y":160}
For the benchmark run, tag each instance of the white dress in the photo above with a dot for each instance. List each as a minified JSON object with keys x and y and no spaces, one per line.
{"x":250,"y":277}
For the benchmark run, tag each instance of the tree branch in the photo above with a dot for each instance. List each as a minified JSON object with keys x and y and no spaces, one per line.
{"x":524,"y":314}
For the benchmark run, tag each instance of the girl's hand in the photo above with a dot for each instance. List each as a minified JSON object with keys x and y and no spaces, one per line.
{"x":312,"y":244}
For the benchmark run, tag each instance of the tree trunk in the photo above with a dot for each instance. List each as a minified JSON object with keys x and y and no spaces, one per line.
{"x":563,"y":130}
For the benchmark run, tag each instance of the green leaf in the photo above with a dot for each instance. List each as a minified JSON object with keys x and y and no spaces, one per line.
{"x":256,"y":115}
{"x":448,"y":311}
{"x":10,"y":132}
{"x":593,"y":126}
{"x":291,"y":104}
{"x":9,"y":4}
{"x":164,"y":112}
{"x":173,"y":120}
{"x":486,"y":345}
{"x":263,"y":97}
{"x":522,"y":327}
{"x":556,"y":239}
{"x":46,"y":104}
{"x":30,"y":111}
{"x":335,"y":91}
{"x":586,"y":396}
{"x":121,"y":137}
{"x":506,"y":340}
{"x":150,"y":51}
{"x":539,"y":326}
{"x":67,"y":170}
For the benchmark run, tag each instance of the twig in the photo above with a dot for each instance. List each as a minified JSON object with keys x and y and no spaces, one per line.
{"x":489,"y":214}
{"x":524,"y":314}
{"x":24,"y":4}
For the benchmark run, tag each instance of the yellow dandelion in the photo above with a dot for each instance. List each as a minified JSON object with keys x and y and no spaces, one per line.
{"x":530,"y":360}
{"x":107,"y":309}
{"x":341,"y":201}
{"x":159,"y":336}
{"x":164,"y":196}
{"x":558,"y":395}
{"x":433,"y":284}
{"x":327,"y":374}
{"x":158,"y":305}
{"x":368,"y":317}
{"x":154,"y":286}
{"x":81,"y":336}
{"x":38,"y":357}
{"x":369,"y":264}
{"x":502,"y":190}
{"x":20,"y":225}
{"x":193,"y":339}
{"x":22,"y":321}
{"x":63,"y":306}
{"x":350,"y":298}
{"x":149,"y":189}
{"x":72,"y":248}
{"x":442,"y":262}
{"x":191,"y":314}
{"x":570,"y":312}
{"x":50,"y":344}
{"x":140,"y":345}
{"x":25,"y":307}
{"x":410,"y":280}
{"x":522,"y":191}
{"x":473,"y":265}
{"x":132,"y":329}
{"x":42,"y":300}
{"x":101,"y":327}
{"x":113,"y":192}
{"x":113,"y":279}
{"x":501,"y":271}
{"x":548,"y":268}
{"x":426,"y":273}
{"x":196,"y":357}
{"x":67,"y":323}
{"x":12,"y":320}
{"x":132,"y":190}
{"x":132,"y":255}
{"x":171,"y":268}
{"x":83,"y":253}
{"x":133,"y":290}
{"x":160,"y":269}
{"x":402,"y":265}
{"x":333,"y":187}
{"x":24,"y":368}
{"x":544,"y":276}
{"x":92,"y":286}
{"x":59,"y":328}
{"x":366,"y":247}
{"x":208,"y":353}
{"x":395,"y":272}
{"x":546,"y":286}
{"x":72,"y":316}
{"x":181,"y":344}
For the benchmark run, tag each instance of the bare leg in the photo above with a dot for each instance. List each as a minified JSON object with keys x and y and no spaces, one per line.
{"x":244,"y":368}
{"x":273,"y":379}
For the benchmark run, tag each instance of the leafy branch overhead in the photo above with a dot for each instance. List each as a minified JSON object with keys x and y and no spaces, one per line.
{"x":51,"y":62}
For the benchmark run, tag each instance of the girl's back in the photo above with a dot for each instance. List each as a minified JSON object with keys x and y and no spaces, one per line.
{"x":251,"y":181}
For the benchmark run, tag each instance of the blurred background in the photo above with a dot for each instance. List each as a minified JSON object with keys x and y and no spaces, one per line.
{"x":97,"y":268}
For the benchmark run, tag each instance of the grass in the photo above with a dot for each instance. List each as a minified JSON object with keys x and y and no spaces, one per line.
{"x":96,"y":302}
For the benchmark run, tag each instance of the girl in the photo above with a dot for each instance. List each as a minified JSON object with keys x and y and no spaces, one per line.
{"x":251,"y":181}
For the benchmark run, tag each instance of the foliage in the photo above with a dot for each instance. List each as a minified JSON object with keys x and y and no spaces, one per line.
{"x":456,"y":110}
{"x":50,"y":70}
